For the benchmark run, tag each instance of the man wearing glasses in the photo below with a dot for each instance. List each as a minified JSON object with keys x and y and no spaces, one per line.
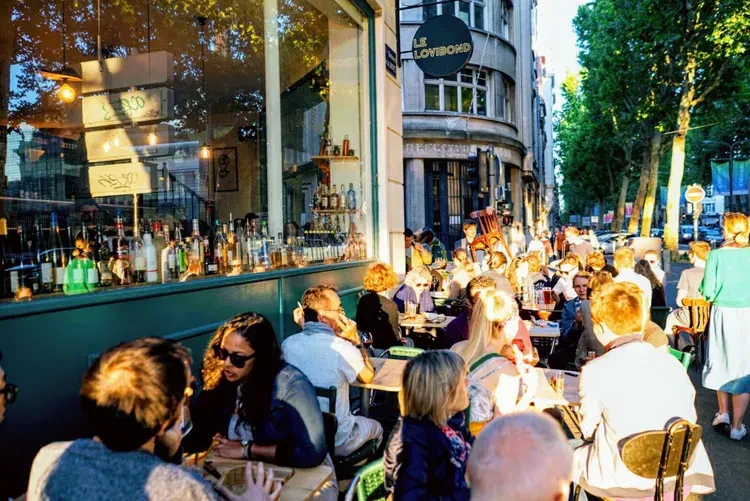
{"x":330,"y":352}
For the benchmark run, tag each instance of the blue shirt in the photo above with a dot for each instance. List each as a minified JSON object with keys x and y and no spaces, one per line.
{"x":569,"y":316}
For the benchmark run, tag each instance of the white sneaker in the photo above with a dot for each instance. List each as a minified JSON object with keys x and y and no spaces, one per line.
{"x":720,"y":419}
{"x":738,"y":434}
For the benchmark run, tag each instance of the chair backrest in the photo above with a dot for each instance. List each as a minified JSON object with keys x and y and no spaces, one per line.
{"x":699,"y":312}
{"x":368,"y":483}
{"x":330,"y":427}
{"x":330,"y":394}
{"x":659,"y":315}
{"x":684,"y":357}
{"x":401,"y":352}
{"x":661,"y":454}
{"x":492,"y":232}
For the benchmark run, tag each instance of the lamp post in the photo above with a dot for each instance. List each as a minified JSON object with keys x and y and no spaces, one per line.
{"x":731,"y":165}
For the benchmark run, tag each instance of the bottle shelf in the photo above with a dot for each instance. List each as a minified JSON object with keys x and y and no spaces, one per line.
{"x":336,"y":211}
{"x":328,"y":158}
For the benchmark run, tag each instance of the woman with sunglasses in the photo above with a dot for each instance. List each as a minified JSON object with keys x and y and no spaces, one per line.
{"x":255,"y":404}
{"x":416,"y":289}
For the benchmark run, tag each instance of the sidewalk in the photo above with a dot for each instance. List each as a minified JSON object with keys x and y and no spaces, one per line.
{"x":730,"y":459}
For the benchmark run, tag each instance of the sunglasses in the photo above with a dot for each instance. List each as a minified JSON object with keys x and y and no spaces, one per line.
{"x":10,"y":392}
{"x":235,"y":359}
{"x":651,"y":262}
{"x":422,"y":285}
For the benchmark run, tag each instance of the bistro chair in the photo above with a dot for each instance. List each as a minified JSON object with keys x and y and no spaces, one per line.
{"x":659,"y":315}
{"x":700,"y":310}
{"x":401,"y":352}
{"x":368,"y":484}
{"x":345,"y":465}
{"x":492,"y":233}
{"x":661,"y":454}
{"x":685,"y":358}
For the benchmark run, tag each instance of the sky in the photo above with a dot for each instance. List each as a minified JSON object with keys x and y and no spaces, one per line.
{"x":555,"y":36}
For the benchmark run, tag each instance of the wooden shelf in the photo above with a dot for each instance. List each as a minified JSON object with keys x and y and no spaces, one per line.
{"x":341,"y":212}
{"x":328,"y":158}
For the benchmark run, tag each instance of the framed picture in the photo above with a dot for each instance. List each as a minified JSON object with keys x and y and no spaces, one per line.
{"x":225,"y":169}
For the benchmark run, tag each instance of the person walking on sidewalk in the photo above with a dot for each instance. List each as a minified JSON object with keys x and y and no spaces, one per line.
{"x":727,"y":368}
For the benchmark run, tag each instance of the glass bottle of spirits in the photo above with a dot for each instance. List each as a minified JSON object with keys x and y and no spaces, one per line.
{"x":345,"y":149}
{"x":180,"y":249}
{"x":337,"y":224}
{"x":79,"y":266}
{"x":137,"y":256}
{"x":168,"y":259}
{"x":58,"y":257}
{"x":333,"y":199}
{"x":160,"y":243}
{"x":221,"y":249}
{"x":121,"y":270}
{"x":264,"y":228}
{"x":351,"y":198}
{"x":233,"y":251}
{"x":46,"y":276}
{"x":324,"y":199}
{"x":92,"y":272}
{"x":18,"y":276}
{"x":211,"y":258}
{"x":316,"y":198}
{"x":104,"y":256}
{"x":196,"y":258}
{"x":32,"y":278}
{"x":250,"y":250}
{"x":152,"y":267}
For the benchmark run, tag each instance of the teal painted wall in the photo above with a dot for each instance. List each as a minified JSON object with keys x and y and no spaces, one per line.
{"x":48,"y":344}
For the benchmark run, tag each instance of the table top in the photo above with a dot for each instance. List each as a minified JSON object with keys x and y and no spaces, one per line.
{"x":547,"y":397}
{"x":539,"y":307}
{"x":425,"y":324}
{"x":536,"y":331}
{"x":301,"y":486}
{"x":388,"y":374}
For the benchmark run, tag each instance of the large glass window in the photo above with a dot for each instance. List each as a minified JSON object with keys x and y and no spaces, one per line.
{"x":189,"y":143}
{"x":504,"y":21}
{"x":507,"y":101}
{"x":466,"y":92}
{"x":472,"y":12}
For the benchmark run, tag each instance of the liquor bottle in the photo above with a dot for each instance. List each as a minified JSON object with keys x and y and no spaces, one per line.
{"x":264,"y":228}
{"x":250,"y":250}
{"x":160,"y":243}
{"x":351,"y":198}
{"x":92,"y":272}
{"x":168,"y":257}
{"x":221,"y":250}
{"x":233,"y":251}
{"x":345,"y":148}
{"x":121,"y":267}
{"x":333,"y":199}
{"x":32,"y":278}
{"x":180,"y":249}
{"x":46,"y":277}
{"x":316,"y":198}
{"x":4,"y":260}
{"x":18,"y":276}
{"x":137,"y":256}
{"x":103,"y":258}
{"x":56,"y":253}
{"x":337,"y":225}
{"x":77,"y":271}
{"x":324,"y":200}
{"x":196,"y":258}
{"x":152,"y":266}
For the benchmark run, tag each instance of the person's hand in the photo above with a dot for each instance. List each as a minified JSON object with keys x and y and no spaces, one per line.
{"x":419,"y":247}
{"x":579,"y":317}
{"x":531,"y":357}
{"x":230,"y":449}
{"x":260,"y":487}
{"x":348,"y":330}
{"x":299,"y":317}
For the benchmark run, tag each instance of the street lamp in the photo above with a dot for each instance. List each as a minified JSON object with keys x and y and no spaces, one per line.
{"x":731,"y":165}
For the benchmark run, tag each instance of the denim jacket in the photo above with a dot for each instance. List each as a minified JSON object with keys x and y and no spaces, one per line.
{"x":294,"y":424}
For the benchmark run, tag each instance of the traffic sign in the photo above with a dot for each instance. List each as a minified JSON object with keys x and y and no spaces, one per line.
{"x":695,"y":194}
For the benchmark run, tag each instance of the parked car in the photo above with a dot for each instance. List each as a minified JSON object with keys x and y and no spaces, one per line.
{"x":714,"y":237}
{"x":686,"y":233}
{"x":613,"y":241}
{"x":657,"y":232}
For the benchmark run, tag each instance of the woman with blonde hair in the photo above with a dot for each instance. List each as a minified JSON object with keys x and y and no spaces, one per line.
{"x":517,"y":273}
{"x":416,"y":289}
{"x":727,"y":368}
{"x":377,"y":314}
{"x":427,"y":453}
{"x":498,"y":265}
{"x":496,"y":360}
{"x":464,"y":271}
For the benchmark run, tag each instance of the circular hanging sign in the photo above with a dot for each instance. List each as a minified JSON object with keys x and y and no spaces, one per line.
{"x":695,"y":194}
{"x":442,"y":45}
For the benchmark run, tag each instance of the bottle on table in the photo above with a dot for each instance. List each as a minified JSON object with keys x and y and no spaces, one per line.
{"x":160,"y":243}
{"x":324,"y":198}
{"x":152,"y":266}
{"x":316,"y":198}
{"x":196,"y":259}
{"x":137,"y":256}
{"x":46,"y":276}
{"x":103,"y":258}
{"x":221,"y":249}
{"x":57,"y":255}
{"x":333,"y":199}
{"x":121,"y":270}
{"x":351,"y":198}
{"x":180,"y":249}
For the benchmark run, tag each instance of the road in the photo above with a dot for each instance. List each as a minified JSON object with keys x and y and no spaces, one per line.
{"x":730,"y":459}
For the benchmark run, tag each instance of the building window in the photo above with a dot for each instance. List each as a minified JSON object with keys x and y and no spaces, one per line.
{"x":466,"y":92}
{"x":182,"y":136}
{"x":709,"y":208}
{"x":472,"y":12}
{"x":505,"y":108}
{"x":504,"y":20}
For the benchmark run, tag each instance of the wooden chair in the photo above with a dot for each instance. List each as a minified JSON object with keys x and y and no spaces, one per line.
{"x":492,"y":233}
{"x":661,"y":454}
{"x":699,"y":315}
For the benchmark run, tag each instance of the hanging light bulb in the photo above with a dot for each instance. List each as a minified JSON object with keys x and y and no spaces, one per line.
{"x":205,"y":152}
{"x":66,"y":94}
{"x":153,"y":140}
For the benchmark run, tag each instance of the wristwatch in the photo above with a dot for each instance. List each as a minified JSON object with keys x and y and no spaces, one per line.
{"x":246,"y":448}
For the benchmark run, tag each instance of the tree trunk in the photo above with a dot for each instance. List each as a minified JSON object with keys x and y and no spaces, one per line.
{"x":7,"y":41}
{"x":620,"y":209}
{"x":677,"y":167}
{"x":653,"y":181}
{"x":640,"y":197}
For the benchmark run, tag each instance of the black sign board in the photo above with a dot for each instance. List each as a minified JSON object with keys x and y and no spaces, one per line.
{"x":391,"y":62}
{"x":442,"y":45}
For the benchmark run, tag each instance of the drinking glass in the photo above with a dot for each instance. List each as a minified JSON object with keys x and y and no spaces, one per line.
{"x":558,"y":382}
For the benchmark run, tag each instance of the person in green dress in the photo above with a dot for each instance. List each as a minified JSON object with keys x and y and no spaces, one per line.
{"x":727,"y":367}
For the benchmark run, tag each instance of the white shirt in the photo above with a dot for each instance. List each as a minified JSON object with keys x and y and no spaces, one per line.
{"x":564,"y":286}
{"x":327,"y":361}
{"x":658,"y":272}
{"x":639,"y":280}
{"x":631,"y":389}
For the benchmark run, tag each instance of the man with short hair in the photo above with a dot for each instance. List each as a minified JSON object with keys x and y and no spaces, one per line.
{"x":578,"y":245}
{"x":624,"y":263}
{"x":134,"y":399}
{"x":470,"y":233}
{"x":521,"y":457}
{"x":416,"y":254}
{"x":571,"y":325}
{"x":430,"y":241}
{"x":330,"y":352}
